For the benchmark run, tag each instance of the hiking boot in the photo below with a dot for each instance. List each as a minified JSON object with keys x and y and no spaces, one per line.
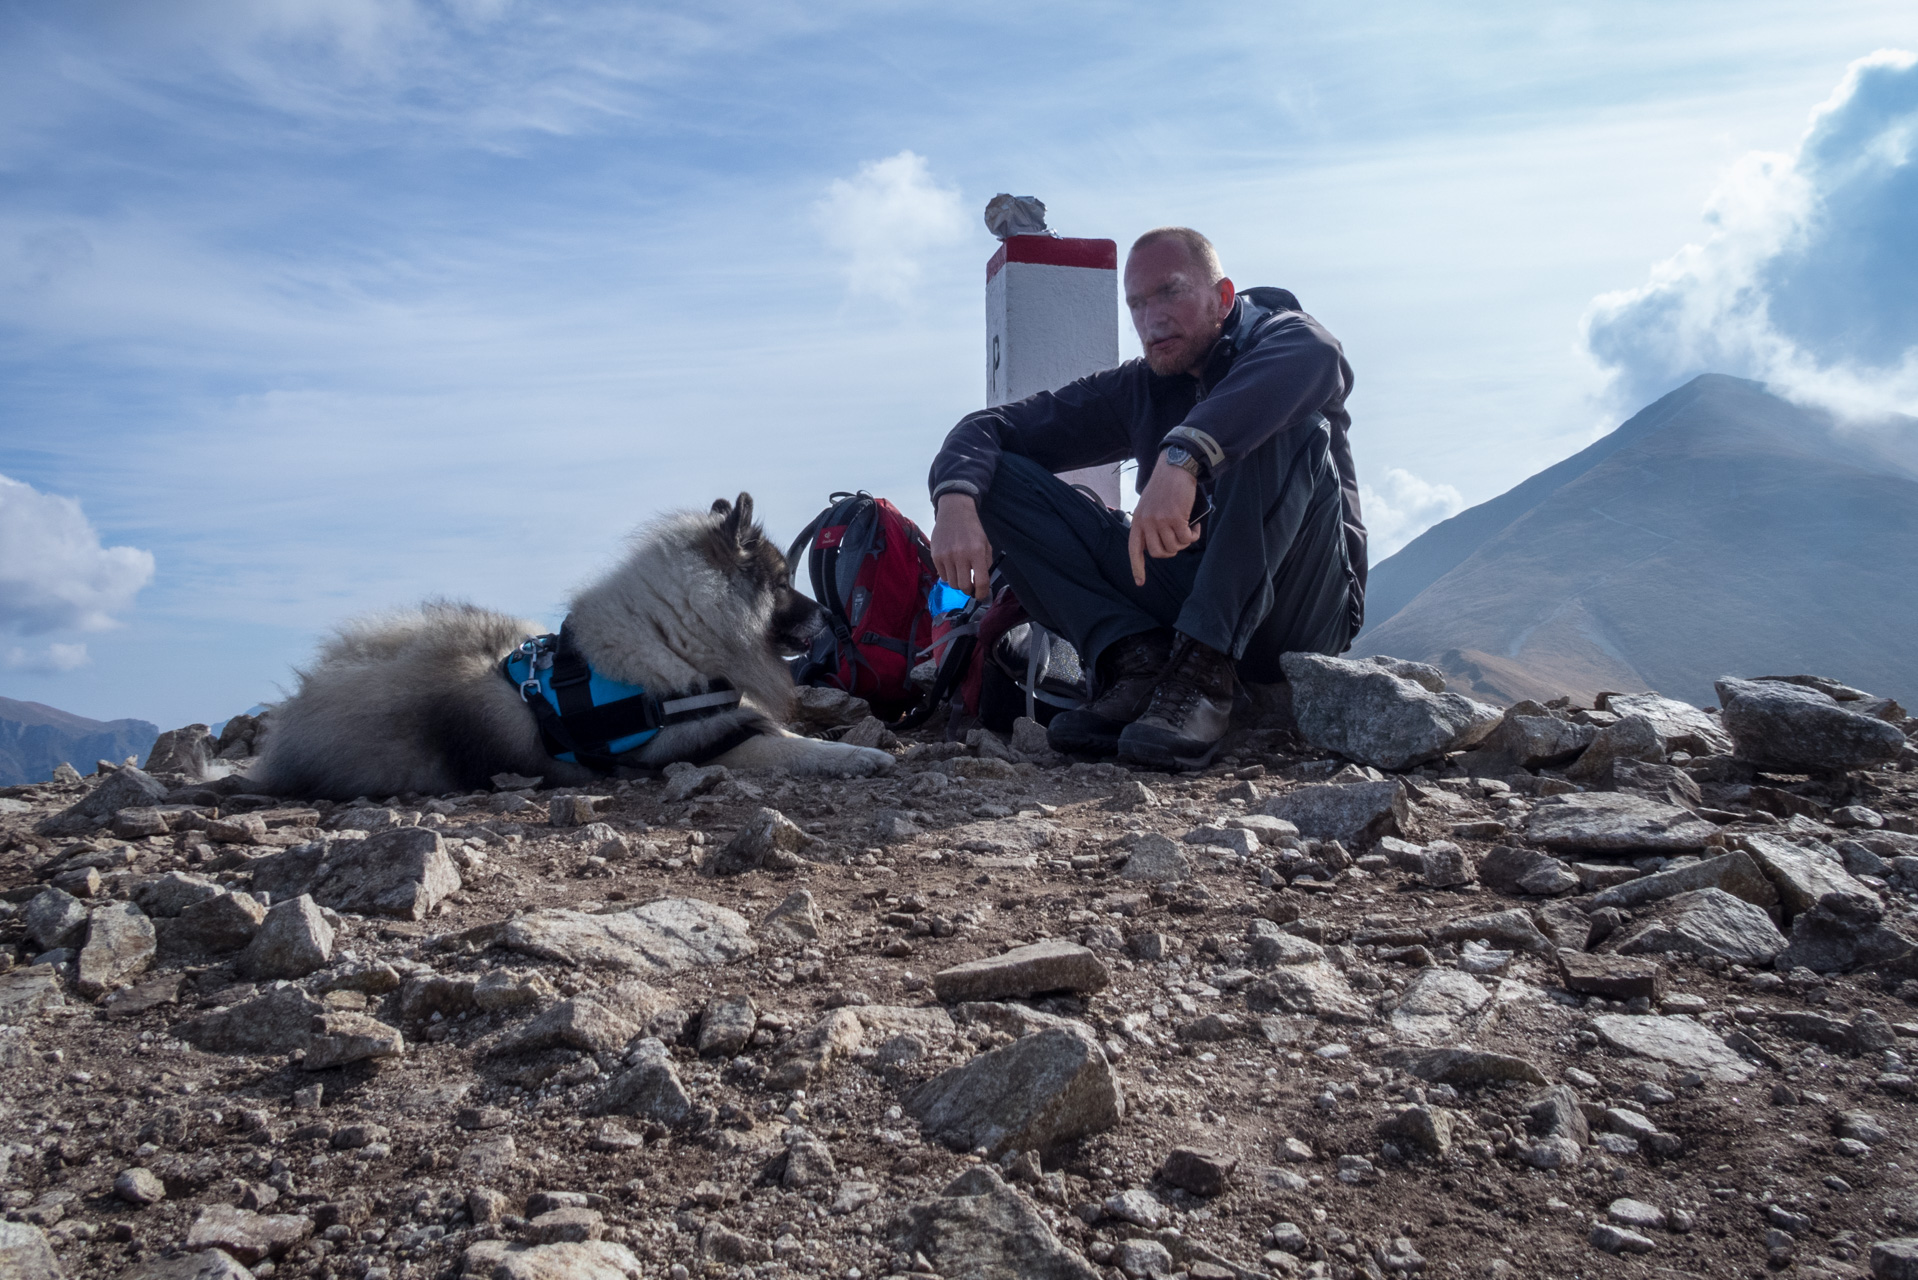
{"x":1128,"y":670}
{"x":1189,"y":712}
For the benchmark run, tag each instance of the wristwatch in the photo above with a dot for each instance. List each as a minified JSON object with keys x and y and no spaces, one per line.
{"x":1184,"y":459}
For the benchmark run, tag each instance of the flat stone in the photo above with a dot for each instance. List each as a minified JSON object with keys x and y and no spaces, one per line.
{"x":341,"y":1038}
{"x":25,"y":991}
{"x":1355,"y":814}
{"x":1530,"y":737}
{"x":1316,"y":989}
{"x":1366,"y":713}
{"x":1812,"y":879}
{"x":1704,"y":922}
{"x":569,"y":1225}
{"x":121,"y":943}
{"x":795,"y":919}
{"x":767,"y":840}
{"x":208,"y":1264}
{"x":1616,"y":1239}
{"x":1735,"y":873}
{"x":166,"y":896}
{"x":566,"y":1260}
{"x":1680,"y":725}
{"x":662,"y":937}
{"x":250,"y":1237}
{"x":1471,"y":1068}
{"x":1023,"y":972}
{"x":1047,"y":1088}
{"x":582,"y":1023}
{"x":810,"y":1055}
{"x":1614,"y":822}
{"x":1679,"y":1042}
{"x":142,"y":996}
{"x":402,"y":873}
{"x":1789,"y":727}
{"x":1613,"y":977}
{"x":980,"y":1227}
{"x":1512,"y":869}
{"x":55,"y":918}
{"x":1438,"y":1006}
{"x":1514,"y":928}
{"x":1203,"y":1173}
{"x":1636,"y":1214}
{"x":26,"y":1255}
{"x":1895,"y":1259}
{"x":1270,"y":945}
{"x":1156,"y":859}
{"x":1139,"y":1207}
{"x":487,"y":1159}
{"x":292,"y":941}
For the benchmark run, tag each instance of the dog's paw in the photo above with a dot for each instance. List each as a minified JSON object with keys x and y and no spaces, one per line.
{"x":863,"y":762}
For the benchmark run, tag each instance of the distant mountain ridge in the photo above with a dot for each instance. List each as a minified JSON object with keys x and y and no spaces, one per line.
{"x":1720,"y":529}
{"x":35,"y":738}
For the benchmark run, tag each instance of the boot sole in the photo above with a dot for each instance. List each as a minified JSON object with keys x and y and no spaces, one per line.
{"x":1158,"y":756}
{"x":1085,"y":744}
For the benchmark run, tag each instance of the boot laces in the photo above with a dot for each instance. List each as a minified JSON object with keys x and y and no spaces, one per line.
{"x":1183,"y":685}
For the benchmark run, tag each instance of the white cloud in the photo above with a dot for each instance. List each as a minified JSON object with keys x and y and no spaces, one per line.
{"x":1808,"y":277}
{"x":1403,"y":508}
{"x":884,"y":222}
{"x":54,"y":574}
{"x":55,"y":659}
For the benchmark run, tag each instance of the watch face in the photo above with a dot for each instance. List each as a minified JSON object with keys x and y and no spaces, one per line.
{"x":1176,"y":456}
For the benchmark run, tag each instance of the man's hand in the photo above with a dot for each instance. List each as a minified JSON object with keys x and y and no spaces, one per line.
{"x":960,"y":549}
{"x":1162,"y":522}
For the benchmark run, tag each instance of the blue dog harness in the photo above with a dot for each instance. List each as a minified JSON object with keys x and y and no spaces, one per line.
{"x":586,"y":718}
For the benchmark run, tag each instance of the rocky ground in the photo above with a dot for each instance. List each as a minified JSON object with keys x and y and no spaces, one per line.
{"x":1403,"y":984}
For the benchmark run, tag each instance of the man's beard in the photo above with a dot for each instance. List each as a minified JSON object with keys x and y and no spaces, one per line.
{"x":1181,"y":359}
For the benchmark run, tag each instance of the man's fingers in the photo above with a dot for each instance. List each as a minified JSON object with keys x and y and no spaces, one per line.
{"x":1135,"y":546}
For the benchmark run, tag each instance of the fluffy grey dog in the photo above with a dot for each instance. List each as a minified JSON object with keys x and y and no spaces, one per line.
{"x":415,"y":701}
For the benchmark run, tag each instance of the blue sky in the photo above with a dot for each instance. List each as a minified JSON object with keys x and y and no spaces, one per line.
{"x":310,"y":308}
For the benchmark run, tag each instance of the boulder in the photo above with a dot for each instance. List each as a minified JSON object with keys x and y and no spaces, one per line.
{"x":1354,"y":813}
{"x":1023,"y":972}
{"x":24,"y":991}
{"x":1366,"y":713}
{"x":186,"y":750}
{"x":166,"y":896}
{"x":1203,"y":1173}
{"x":1470,"y":1068}
{"x":664,"y":936}
{"x":1614,"y":822}
{"x":651,"y":1090}
{"x":1735,"y":873}
{"x":1271,"y":945}
{"x":980,"y":1227}
{"x":1316,"y":989}
{"x":1703,"y":922}
{"x":208,"y":1264}
{"x":1794,"y":728}
{"x":1514,"y":928}
{"x":1677,"y":1041}
{"x":1041,"y":1090}
{"x":726,"y":1026}
{"x":582,"y":1023}
{"x":120,"y":943}
{"x":1827,"y":942}
{"x":1440,"y":1006}
{"x":1424,"y":1129}
{"x":403,"y":873}
{"x":293,"y":940}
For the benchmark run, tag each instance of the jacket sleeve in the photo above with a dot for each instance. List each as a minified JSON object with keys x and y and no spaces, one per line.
{"x":1292,"y":369}
{"x":1076,"y":426}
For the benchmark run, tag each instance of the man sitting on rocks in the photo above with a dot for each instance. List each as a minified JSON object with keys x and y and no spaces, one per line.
{"x":1246,"y":544}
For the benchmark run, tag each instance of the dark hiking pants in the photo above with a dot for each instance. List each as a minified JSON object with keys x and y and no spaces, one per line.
{"x":1268,"y":575}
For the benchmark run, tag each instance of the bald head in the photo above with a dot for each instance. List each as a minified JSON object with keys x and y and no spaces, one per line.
{"x":1179,"y":297}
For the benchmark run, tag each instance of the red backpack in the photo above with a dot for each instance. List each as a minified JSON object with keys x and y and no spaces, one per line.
{"x":871,"y":570}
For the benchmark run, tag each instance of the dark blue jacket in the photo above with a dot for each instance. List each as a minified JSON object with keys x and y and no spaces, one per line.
{"x":1273,"y":368}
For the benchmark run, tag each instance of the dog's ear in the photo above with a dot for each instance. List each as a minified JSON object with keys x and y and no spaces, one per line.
{"x":721,"y":506}
{"x":736,"y":530}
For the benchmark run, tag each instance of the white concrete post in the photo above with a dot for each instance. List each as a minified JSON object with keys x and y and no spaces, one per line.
{"x":1052,"y":315}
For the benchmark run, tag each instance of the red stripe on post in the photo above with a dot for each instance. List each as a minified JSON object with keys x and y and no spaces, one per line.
{"x":1053,"y":251}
